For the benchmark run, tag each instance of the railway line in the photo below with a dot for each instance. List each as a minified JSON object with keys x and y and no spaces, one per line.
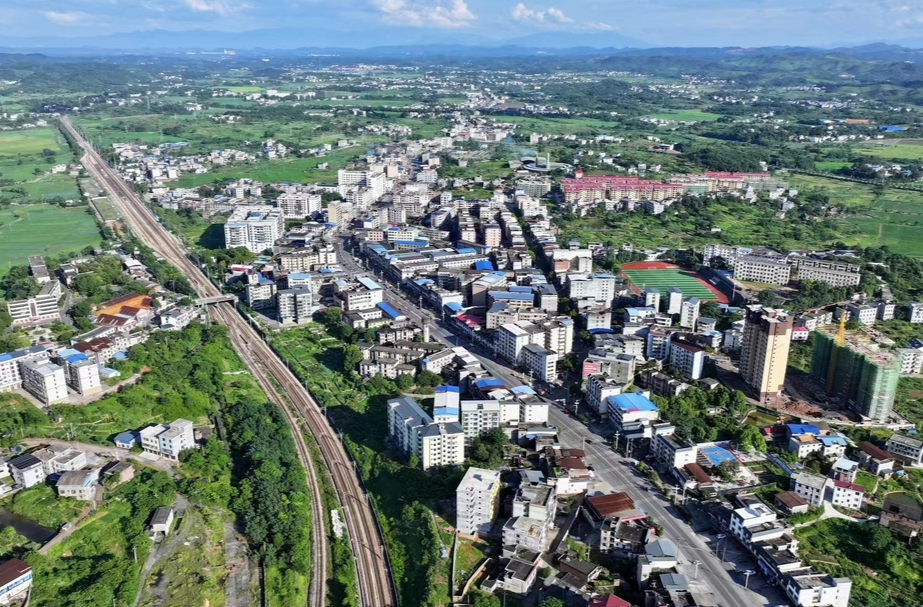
{"x":372,"y":568}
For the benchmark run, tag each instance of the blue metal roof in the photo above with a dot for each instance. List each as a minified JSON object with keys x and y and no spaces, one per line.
{"x":488,"y":382}
{"x":454,"y":306}
{"x":829,"y":441}
{"x":411,"y":243}
{"x":442,"y":389}
{"x":466,"y":250}
{"x":602,"y":331}
{"x":368,"y":283}
{"x":508,"y":295}
{"x":483,"y":265}
{"x":389,"y":310}
{"x":520,"y":390}
{"x":803,"y":429}
{"x":632,"y":402}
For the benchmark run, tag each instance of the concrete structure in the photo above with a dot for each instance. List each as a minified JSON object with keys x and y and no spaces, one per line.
{"x":294,"y":306}
{"x":810,"y":486}
{"x":78,"y":484}
{"x":766,"y":270}
{"x":848,"y":495}
{"x":686,"y":358}
{"x":673,"y":451}
{"x":689,"y":313}
{"x":905,"y":449}
{"x":37,"y":310}
{"x":818,"y":590}
{"x":255,"y":228}
{"x":45,"y":381}
{"x":415,"y":433}
{"x":27,"y":470}
{"x":476,"y":501}
{"x":833,"y":273}
{"x":633,"y":414}
{"x":168,"y":440}
{"x":541,"y":362}
{"x":764,"y":350}
{"x":15,"y":581}
{"x":479,"y":417}
{"x":11,"y":363}
{"x":80,"y":373}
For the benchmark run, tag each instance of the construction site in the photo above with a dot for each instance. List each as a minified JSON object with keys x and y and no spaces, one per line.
{"x":858,"y":370}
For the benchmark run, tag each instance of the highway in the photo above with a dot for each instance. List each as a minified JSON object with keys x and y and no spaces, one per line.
{"x":608,"y":465}
{"x":373,"y":570}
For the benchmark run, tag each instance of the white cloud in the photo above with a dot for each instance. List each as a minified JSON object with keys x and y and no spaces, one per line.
{"x":219,"y":7}
{"x":71,"y":18}
{"x":550,"y":15}
{"x":451,"y":14}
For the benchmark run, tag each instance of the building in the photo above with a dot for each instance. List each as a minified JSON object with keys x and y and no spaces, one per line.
{"x":15,"y":581}
{"x":511,"y":339}
{"x":905,"y":449}
{"x":810,"y":486}
{"x":78,"y":484}
{"x":686,"y":358}
{"x":255,"y":228}
{"x":479,"y":417}
{"x":764,"y":350}
{"x":298,"y":205}
{"x":11,"y":363}
{"x":674,"y":451}
{"x":689,"y":313}
{"x":45,"y":381}
{"x":27,"y":470}
{"x":632,"y":414}
{"x":534,"y":506}
{"x":168,"y":440}
{"x":833,"y":273}
{"x":818,"y":590}
{"x":914,"y":313}
{"x":864,"y":314}
{"x":415,"y":433}
{"x":476,"y":501}
{"x":767,"y":270}
{"x":294,"y":306}
{"x":791,"y":503}
{"x":599,"y":388}
{"x":161,"y":521}
{"x":37,"y":310}
{"x":80,"y":373}
{"x":858,"y":372}
{"x":541,"y":362}
{"x":875,"y":460}
{"x":848,"y":495}
{"x":674,"y":301}
{"x":902,"y":514}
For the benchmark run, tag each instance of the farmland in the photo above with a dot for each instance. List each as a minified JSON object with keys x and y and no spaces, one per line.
{"x":43,"y":230}
{"x":898,"y":150}
{"x":686,"y":116}
{"x":30,"y":141}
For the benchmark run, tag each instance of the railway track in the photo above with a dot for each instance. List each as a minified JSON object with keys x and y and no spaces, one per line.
{"x":374,"y":580}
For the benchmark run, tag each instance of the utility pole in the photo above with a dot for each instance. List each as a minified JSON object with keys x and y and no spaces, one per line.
{"x":695,"y":575}
{"x":747,"y":573}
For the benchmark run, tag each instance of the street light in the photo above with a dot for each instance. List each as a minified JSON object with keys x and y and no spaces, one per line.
{"x":695,"y":575}
{"x":748,"y":573}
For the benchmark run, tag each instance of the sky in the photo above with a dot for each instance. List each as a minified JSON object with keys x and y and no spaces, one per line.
{"x":362,"y":23}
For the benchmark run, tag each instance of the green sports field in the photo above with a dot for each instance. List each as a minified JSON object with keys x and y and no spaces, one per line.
{"x":666,"y":278}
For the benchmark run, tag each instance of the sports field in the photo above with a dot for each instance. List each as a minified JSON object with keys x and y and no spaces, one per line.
{"x":663,"y":276}
{"x":43,"y":230}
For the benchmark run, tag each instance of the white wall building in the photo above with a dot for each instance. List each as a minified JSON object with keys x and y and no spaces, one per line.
{"x":476,"y":501}
{"x":254,"y":227}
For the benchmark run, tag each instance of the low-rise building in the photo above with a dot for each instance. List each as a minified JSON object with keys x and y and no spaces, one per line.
{"x":848,"y":495}
{"x":875,"y":459}
{"x":78,"y":484}
{"x":15,"y":581}
{"x":673,"y":451}
{"x":810,"y":486}
{"x":818,"y":590}
{"x":791,"y":503}
{"x":168,"y":440}
{"x":27,"y":470}
{"x":905,"y":449}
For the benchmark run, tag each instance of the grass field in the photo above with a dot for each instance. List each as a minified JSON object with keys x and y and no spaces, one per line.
{"x":43,"y":230}
{"x":30,"y":141}
{"x":831,"y":165}
{"x":299,"y":170}
{"x":900,"y":149}
{"x":686,"y":116}
{"x":245,"y":90}
{"x":663,"y":279}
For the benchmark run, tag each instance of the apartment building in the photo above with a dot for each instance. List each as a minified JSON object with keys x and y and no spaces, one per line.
{"x":905,"y":449}
{"x":818,"y":590}
{"x":78,"y":484}
{"x":632,"y":413}
{"x":541,"y":362}
{"x":367,"y":295}
{"x":479,"y":417}
{"x":294,"y":306}
{"x":810,"y":486}
{"x":764,"y":350}
{"x":10,"y":362}
{"x":299,"y":205}
{"x":511,"y":339}
{"x":80,"y":373}
{"x":727,"y":253}
{"x":848,"y":495}
{"x":559,"y":335}
{"x":477,"y":501}
{"x":254,"y":227}
{"x":833,"y":273}
{"x":914,"y":313}
{"x":768,"y":270}
{"x":674,"y":300}
{"x":533,"y":516}
{"x":599,"y":388}
{"x":864,"y":314}
{"x":598,"y":287}
{"x":45,"y":381}
{"x":415,"y":433}
{"x":37,"y":310}
{"x":687,"y":358}
{"x":168,"y":440}
{"x":15,"y":581}
{"x":672,"y":450}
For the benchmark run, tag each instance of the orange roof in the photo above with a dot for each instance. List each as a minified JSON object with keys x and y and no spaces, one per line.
{"x":113,"y":307}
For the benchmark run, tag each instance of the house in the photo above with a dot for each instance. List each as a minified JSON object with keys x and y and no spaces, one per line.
{"x":161,"y":521}
{"x":519,"y":571}
{"x":78,"y":484}
{"x":119,"y":472}
{"x":659,"y":555}
{"x":170,"y":440}
{"x":126,"y":440}
{"x":818,"y":590}
{"x":810,"y":486}
{"x":619,"y":535}
{"x":902,"y":514}
{"x":610,"y":600}
{"x":844,"y":470}
{"x":874,"y":459}
{"x":791,"y":503}
{"x":905,"y":449}
{"x":615,"y":505}
{"x":693,"y":476}
{"x":27,"y":470}
{"x":15,"y":581}
{"x":848,"y":495}
{"x":578,"y":573}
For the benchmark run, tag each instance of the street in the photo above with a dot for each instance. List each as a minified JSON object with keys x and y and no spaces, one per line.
{"x":724,"y":580}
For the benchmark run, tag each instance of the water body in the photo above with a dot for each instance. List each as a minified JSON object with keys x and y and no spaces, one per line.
{"x":24,"y":527}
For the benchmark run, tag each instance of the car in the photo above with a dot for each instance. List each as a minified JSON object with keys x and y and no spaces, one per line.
{"x":567,"y":411}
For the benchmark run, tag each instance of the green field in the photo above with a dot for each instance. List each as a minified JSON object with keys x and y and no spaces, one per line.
{"x":663,"y":279}
{"x":898,"y":150}
{"x":30,"y":141}
{"x":686,"y":116}
{"x":43,"y":230}
{"x":300,"y":170}
{"x":245,"y":90}
{"x":831,"y":165}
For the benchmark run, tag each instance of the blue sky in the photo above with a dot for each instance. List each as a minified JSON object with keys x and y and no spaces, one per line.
{"x":657,"y":22}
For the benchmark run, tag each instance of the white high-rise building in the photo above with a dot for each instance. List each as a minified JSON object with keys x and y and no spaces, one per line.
{"x":477,"y":501}
{"x":45,"y":381}
{"x":295,"y":305}
{"x":674,"y":300}
{"x":256,"y":228}
{"x":689,"y":313}
{"x":299,"y":205}
{"x":415,"y":432}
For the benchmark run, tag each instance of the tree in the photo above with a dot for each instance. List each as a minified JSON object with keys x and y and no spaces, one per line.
{"x":428,"y":379}
{"x":482,"y":599}
{"x":405,"y":382}
{"x":552,"y":602}
{"x":352,"y":356}
{"x":751,"y":439}
{"x":768,"y":298}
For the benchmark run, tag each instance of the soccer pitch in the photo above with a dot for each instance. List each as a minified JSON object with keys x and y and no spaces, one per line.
{"x":664,"y":279}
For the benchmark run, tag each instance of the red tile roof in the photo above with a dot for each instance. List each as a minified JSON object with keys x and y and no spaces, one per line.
{"x":845,"y":485}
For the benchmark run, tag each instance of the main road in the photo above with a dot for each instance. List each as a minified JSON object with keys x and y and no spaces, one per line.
{"x":610,"y":468}
{"x":373,"y":570}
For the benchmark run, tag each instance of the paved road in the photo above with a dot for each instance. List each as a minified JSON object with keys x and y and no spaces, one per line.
{"x":610,"y":469}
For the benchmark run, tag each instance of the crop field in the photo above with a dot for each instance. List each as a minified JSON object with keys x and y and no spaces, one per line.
{"x":244,"y":90}
{"x":299,"y":170}
{"x":43,"y":230}
{"x":641,"y":276}
{"x":898,"y":149}
{"x":559,"y":126}
{"x":30,"y":141}
{"x":686,"y":116}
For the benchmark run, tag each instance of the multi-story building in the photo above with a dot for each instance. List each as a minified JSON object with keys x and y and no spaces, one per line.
{"x":40,"y":309}
{"x":476,"y":501}
{"x":294,"y":306}
{"x":764,"y":350}
{"x":299,"y":205}
{"x":686,"y":358}
{"x":914,"y":313}
{"x":415,"y":433}
{"x":859,"y":372}
{"x":848,"y":495}
{"x":364,"y":297}
{"x":78,"y":484}
{"x":864,"y":314}
{"x":80,"y":373}
{"x":632,"y":413}
{"x":27,"y":470}
{"x":15,"y":581}
{"x":599,"y":287}
{"x":768,"y":270}
{"x":168,"y":440}
{"x":598,"y":390}
{"x":689,"y":313}
{"x":672,"y":450}
{"x":833,"y":273}
{"x":533,"y":515}
{"x":905,"y":449}
{"x":810,"y":486}
{"x":479,"y":417}
{"x":512,"y":338}
{"x":45,"y":381}
{"x":818,"y":590}
{"x":255,"y":228}
{"x":559,"y":335}
{"x":727,"y":253}
{"x":10,"y":363}
{"x":541,"y":362}
{"x":674,"y":301}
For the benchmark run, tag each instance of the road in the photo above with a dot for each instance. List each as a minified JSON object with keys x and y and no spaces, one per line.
{"x":281,"y":385}
{"x":609,"y":466}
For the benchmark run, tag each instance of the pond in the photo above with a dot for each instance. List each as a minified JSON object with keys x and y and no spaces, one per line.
{"x":24,"y":527}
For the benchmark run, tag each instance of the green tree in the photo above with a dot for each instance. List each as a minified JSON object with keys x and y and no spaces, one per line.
{"x":405,"y":382}
{"x":352,"y":356}
{"x":552,"y":602}
{"x":751,"y":439}
{"x":482,"y":599}
{"x":428,"y":379}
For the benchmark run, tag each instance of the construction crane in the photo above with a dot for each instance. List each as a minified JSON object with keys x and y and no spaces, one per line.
{"x":838,"y":343}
